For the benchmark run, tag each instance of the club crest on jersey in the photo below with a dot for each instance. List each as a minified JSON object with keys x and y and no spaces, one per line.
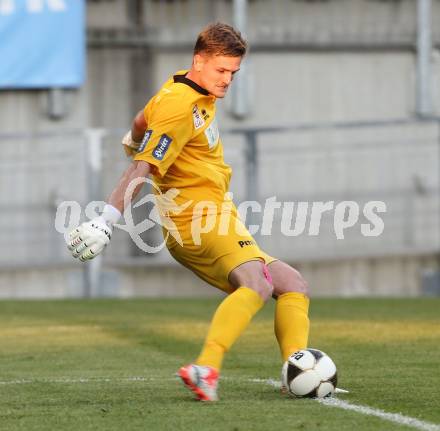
{"x":197,"y":118}
{"x":212,"y":134}
{"x":144,"y":143}
{"x":162,"y":147}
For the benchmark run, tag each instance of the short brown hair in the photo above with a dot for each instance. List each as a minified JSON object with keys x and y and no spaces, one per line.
{"x":220,"y":39}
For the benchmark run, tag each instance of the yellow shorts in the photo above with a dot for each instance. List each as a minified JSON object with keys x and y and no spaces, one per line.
{"x":214,"y":254}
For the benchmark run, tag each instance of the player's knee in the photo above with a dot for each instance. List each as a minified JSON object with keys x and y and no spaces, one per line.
{"x":290,"y":280}
{"x":263,"y":288}
{"x":251,"y":275}
{"x":299,"y":283}
{"x":260,"y":285}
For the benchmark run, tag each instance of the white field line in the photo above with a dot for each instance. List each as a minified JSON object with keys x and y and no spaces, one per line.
{"x":330,"y":402}
{"x":392,"y":417}
{"x":82,"y":380}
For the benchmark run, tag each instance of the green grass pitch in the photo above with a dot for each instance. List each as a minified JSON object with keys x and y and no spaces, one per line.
{"x":110,"y":364}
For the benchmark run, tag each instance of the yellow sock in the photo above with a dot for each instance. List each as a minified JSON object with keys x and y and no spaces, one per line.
{"x":229,"y":321}
{"x":292,"y":322}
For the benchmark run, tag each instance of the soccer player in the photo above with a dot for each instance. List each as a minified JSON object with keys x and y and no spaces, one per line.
{"x":175,"y":139}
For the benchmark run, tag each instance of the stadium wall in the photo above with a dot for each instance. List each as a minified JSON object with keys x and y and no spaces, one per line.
{"x":385,"y":277}
{"x":294,"y":78}
{"x":393,"y":162}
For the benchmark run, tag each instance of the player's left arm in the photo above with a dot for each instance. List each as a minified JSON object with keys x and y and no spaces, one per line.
{"x":133,"y":139}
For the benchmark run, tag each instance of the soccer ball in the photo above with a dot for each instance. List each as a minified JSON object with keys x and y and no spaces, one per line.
{"x":309,"y":373}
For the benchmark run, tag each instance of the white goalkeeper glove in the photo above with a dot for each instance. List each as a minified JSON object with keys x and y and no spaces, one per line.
{"x":90,"y":238}
{"x":130,"y":146}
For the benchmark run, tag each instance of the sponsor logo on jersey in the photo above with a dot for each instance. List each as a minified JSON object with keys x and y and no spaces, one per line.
{"x":197,"y":118}
{"x":212,"y":134}
{"x":162,"y":147}
{"x":144,"y":143}
{"x":247,"y":242}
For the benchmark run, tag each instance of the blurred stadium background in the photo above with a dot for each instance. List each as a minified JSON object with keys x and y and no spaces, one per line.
{"x":339,"y":100}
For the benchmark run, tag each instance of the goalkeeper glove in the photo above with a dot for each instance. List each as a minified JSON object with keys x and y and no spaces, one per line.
{"x":90,"y":238}
{"x":130,"y":146}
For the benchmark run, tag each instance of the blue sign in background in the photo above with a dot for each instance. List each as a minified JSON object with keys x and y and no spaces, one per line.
{"x":42,"y":43}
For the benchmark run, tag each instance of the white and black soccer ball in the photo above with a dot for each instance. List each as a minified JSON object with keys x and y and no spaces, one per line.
{"x":309,"y":373}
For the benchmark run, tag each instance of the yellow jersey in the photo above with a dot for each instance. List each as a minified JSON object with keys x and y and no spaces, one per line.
{"x":183,"y":145}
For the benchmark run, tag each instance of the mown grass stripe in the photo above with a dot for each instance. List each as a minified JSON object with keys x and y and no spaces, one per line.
{"x":329,"y":402}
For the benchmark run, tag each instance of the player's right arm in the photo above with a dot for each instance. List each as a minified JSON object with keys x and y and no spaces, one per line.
{"x":90,"y":238}
{"x":137,"y":169}
{"x":170,"y":129}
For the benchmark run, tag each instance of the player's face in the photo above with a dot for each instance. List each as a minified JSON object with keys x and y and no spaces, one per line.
{"x":217,"y":73}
